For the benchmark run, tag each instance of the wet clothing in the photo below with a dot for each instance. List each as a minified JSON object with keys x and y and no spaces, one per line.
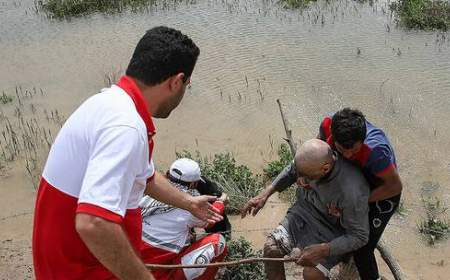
{"x":375,"y":158}
{"x":311,"y":221}
{"x":99,"y":164}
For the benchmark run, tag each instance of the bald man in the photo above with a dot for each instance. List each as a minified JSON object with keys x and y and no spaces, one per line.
{"x":328,"y":221}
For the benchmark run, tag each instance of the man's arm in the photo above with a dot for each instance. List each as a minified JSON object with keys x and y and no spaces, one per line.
{"x":355,"y":221}
{"x":161,"y":189}
{"x":392,"y":186}
{"x":109,"y":244}
{"x":286,"y":178}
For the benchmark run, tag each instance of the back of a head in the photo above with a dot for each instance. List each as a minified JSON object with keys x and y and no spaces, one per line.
{"x":313,"y":154}
{"x":161,"y":53}
{"x":348,"y":126}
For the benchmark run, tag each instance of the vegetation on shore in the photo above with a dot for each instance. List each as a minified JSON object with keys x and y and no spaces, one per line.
{"x":422,"y":14}
{"x":434,"y":227}
{"x":65,"y":9}
{"x":237,"y":180}
{"x":296,"y":4}
{"x":240,"y":249}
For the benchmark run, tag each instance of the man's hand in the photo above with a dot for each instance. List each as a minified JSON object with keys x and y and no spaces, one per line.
{"x":160,"y":189}
{"x":201,"y":208}
{"x":254,"y":205}
{"x":313,"y":254}
{"x":224,"y":198}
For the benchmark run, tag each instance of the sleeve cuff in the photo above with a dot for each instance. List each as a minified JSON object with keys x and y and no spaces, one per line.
{"x":334,"y":248}
{"x":99,"y":212}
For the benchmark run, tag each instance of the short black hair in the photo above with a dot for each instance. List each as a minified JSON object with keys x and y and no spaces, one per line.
{"x":348,"y":126}
{"x":161,"y":53}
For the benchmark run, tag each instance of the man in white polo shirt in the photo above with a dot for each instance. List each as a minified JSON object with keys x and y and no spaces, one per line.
{"x":87,"y":223}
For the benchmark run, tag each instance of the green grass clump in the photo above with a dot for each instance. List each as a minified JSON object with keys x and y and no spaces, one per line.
{"x":62,"y":9}
{"x":284,"y":159}
{"x":423,"y":14}
{"x":5,"y":99}
{"x":434,"y":227}
{"x":295,"y":4}
{"x":241,"y":249}
{"x":237,"y":180}
{"x":275,"y":167}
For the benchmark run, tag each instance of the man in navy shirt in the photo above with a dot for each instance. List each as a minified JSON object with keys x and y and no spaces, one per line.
{"x":348,"y":132}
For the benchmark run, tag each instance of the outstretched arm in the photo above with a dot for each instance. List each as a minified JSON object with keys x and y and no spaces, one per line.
{"x":285,"y":179}
{"x":200,"y":206}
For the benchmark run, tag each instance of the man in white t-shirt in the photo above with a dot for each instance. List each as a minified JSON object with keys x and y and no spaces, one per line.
{"x":87,"y":222}
{"x":167,"y":231}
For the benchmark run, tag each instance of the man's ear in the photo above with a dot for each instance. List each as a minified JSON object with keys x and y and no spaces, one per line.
{"x":177,"y":81}
{"x":326,"y":167}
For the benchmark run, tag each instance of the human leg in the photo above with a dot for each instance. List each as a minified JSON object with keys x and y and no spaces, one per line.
{"x":278,"y":244}
{"x":379,"y":215}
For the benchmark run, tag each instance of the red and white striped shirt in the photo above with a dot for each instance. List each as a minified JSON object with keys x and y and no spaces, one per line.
{"x":99,"y":164}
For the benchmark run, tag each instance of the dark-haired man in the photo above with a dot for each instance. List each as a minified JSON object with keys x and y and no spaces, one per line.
{"x":87,"y":223}
{"x":359,"y":141}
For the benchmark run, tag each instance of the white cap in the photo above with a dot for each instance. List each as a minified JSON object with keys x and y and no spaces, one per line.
{"x":186,"y":170}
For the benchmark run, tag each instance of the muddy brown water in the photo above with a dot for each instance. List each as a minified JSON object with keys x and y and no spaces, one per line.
{"x":252,"y":52}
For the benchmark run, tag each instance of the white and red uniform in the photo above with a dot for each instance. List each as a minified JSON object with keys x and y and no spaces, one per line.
{"x":99,"y":164}
{"x":166,"y":238}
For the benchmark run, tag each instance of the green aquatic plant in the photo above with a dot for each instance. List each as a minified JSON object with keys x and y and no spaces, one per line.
{"x":434,"y":227}
{"x":240,"y":249}
{"x":24,"y":133}
{"x":422,"y":14}
{"x":295,"y":4}
{"x":276,"y":166}
{"x":5,"y":99}
{"x":63,"y":9}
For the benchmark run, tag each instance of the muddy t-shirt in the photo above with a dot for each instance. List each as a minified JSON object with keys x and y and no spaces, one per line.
{"x":334,"y":210}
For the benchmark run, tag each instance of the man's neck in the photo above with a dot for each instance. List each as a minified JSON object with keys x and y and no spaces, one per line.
{"x":148,"y":93}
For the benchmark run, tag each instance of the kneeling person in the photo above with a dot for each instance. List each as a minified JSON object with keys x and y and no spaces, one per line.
{"x":166,"y":230}
{"x":328,"y":220}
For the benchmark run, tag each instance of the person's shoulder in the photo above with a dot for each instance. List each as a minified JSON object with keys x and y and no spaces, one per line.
{"x":354,"y":182}
{"x":375,"y":137}
{"x":113,"y":107}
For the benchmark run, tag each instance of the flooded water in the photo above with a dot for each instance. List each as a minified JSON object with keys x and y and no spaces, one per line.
{"x":342,"y":53}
